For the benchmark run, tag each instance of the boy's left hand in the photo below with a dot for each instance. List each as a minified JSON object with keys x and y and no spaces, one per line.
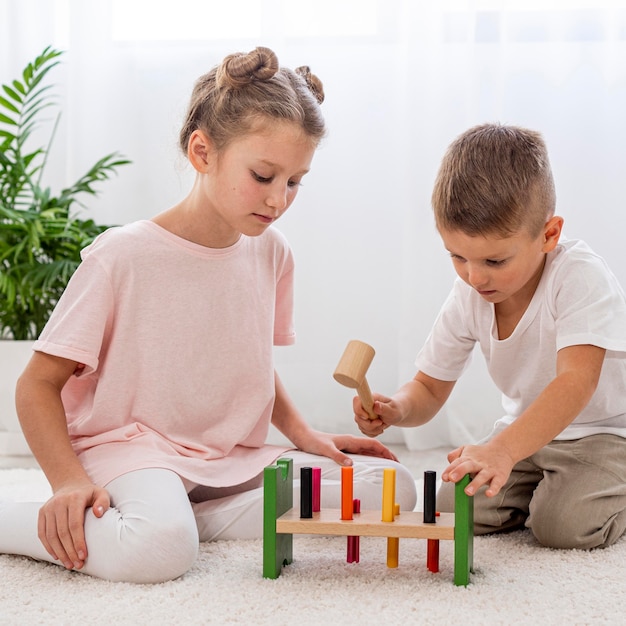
{"x":487,"y":464}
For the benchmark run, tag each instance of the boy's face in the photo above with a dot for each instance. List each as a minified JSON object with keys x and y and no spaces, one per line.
{"x":502,"y":270}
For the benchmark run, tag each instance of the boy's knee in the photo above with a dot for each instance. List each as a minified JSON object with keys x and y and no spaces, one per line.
{"x":445,"y":497}
{"x":571,"y":531}
{"x":560,"y":536}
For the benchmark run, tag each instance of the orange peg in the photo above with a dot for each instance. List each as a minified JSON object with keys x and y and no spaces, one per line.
{"x":347,"y":487}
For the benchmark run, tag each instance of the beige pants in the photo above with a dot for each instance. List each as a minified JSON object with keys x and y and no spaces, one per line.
{"x":571,"y":494}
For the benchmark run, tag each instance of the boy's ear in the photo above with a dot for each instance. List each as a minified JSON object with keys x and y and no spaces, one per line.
{"x":552,"y":233}
{"x":200,"y":151}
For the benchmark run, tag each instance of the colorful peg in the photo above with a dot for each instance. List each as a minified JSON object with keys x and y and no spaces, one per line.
{"x":346,"y":493}
{"x":353,"y":541}
{"x":389,"y":494}
{"x":317,"y":488}
{"x":306,"y":492}
{"x":393,"y":544}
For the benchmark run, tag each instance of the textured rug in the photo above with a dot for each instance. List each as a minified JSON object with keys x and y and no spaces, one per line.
{"x":515,"y":581}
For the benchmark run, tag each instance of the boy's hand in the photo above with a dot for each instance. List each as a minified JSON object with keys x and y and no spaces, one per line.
{"x":487,"y":464}
{"x":387,"y":410}
{"x":61,"y":523}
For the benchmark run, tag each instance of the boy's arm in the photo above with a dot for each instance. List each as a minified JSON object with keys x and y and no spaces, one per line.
{"x":288,"y":420}
{"x":577,"y":373}
{"x":414,"y":404}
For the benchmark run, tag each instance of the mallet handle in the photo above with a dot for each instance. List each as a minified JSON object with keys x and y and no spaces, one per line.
{"x":365,"y":395}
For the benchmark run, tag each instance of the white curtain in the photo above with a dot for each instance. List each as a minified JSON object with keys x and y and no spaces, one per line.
{"x":402,"y":79}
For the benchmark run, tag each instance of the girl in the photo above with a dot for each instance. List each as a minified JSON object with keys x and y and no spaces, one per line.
{"x":149,"y":396}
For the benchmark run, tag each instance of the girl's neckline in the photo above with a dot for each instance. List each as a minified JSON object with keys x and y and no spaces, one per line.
{"x":191,"y":245}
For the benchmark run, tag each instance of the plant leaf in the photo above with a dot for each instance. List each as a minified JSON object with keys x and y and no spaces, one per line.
{"x":19,"y":87}
{"x":9,"y":105}
{"x":40,"y":241}
{"x":7,"y":120}
{"x":12,"y":94}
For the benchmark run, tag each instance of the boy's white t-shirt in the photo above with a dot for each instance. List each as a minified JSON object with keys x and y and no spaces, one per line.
{"x":578,"y":301}
{"x":177,"y":342}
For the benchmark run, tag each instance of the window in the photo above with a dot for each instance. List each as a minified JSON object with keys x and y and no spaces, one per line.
{"x":188,"y":20}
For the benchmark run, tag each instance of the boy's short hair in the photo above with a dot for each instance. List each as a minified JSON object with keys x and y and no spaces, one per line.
{"x":495,"y":179}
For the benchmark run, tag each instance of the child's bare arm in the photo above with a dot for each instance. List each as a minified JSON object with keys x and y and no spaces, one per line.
{"x":42,"y":416}
{"x":414,"y":404}
{"x":578,"y":371}
{"x":292,"y":424}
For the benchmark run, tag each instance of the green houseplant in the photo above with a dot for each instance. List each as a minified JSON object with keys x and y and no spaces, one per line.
{"x":41,"y":234}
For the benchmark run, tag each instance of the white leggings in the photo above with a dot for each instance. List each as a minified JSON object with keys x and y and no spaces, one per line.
{"x":151,"y":532}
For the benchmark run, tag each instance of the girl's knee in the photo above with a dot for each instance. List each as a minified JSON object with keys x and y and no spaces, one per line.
{"x":372,"y":475}
{"x":143,"y":551}
{"x":173,"y":551}
{"x":368,"y":481}
{"x":406,"y":493}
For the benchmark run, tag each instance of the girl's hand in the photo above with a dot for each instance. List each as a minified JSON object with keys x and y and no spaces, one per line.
{"x":488,"y":464}
{"x":336,"y":446}
{"x":61,"y":524}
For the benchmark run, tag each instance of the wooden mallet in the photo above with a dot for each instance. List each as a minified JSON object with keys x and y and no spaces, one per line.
{"x":352,"y":369}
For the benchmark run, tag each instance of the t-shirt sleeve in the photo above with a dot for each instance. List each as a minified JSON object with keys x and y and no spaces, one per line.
{"x":284,"y":330}
{"x":78,"y":324}
{"x":448,"y":349}
{"x":589,"y":306}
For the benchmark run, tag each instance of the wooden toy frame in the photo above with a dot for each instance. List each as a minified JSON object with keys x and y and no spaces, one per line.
{"x":281,"y":521}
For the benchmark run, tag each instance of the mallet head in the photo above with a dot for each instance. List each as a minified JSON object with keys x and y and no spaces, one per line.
{"x":354,"y":364}
{"x":351,"y":371}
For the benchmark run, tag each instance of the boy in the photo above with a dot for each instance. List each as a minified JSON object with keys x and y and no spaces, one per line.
{"x":550,"y":319}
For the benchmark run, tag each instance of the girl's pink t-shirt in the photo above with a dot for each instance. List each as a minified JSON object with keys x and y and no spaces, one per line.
{"x":177,"y":345}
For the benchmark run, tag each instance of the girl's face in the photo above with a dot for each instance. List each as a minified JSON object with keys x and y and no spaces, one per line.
{"x":502,"y":270}
{"x":251,"y":182}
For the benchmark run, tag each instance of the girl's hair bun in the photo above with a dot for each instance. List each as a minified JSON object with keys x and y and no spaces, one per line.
{"x":243,"y":68}
{"x":312,"y":82}
{"x":248,"y":86}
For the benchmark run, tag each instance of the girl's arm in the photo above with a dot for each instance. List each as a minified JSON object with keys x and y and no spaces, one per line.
{"x":42,"y":417}
{"x":288,"y":420}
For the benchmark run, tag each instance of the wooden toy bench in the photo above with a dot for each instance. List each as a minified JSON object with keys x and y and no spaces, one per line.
{"x":281,"y":521}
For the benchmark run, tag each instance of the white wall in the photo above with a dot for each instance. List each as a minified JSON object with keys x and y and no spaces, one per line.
{"x":369,"y":263}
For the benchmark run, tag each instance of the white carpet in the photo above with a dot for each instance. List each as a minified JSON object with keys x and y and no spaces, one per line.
{"x":516,"y":581}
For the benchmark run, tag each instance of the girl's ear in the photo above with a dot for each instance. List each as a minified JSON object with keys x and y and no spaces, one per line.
{"x":552,"y":233}
{"x":200,"y":151}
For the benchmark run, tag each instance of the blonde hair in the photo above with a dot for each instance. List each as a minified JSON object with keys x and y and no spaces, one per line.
{"x":248,"y":87}
{"x":495,"y":179}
